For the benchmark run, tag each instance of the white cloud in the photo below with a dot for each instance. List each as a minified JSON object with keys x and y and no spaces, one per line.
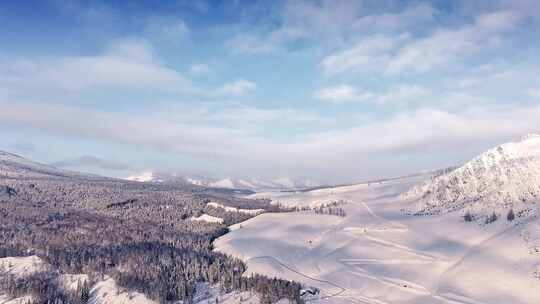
{"x":409,"y":17}
{"x":380,"y":144}
{"x":159,"y":130}
{"x":250,"y":44}
{"x":343,"y":93}
{"x":535,"y":93}
{"x":392,"y":55}
{"x":367,"y":55}
{"x":402,"y":93}
{"x":166,"y":29}
{"x":347,"y":93}
{"x":126,"y":65}
{"x":238,"y":87}
{"x":200,"y":69}
{"x":328,"y":24}
{"x":450,"y":45}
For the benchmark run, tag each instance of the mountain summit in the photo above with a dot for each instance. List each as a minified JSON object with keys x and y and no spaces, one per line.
{"x":503,"y":178}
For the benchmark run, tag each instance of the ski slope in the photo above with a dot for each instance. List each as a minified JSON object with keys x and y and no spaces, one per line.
{"x":379,"y":255}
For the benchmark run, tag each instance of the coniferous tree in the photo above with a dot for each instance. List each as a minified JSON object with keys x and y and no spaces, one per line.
{"x":510,"y":216}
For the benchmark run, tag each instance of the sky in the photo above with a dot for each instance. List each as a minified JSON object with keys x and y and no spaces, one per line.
{"x":334,"y":91}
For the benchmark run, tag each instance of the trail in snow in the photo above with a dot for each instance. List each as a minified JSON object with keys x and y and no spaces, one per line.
{"x":356,"y":299}
{"x":378,"y":255}
{"x":342,"y":290}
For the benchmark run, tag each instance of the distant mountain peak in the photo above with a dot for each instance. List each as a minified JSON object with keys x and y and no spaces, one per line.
{"x":17,"y":166}
{"x":146,"y":176}
{"x":227,"y":183}
{"x":4,"y":154}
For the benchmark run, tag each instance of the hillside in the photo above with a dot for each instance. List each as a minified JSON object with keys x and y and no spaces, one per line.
{"x":503,"y":178}
{"x":15,"y":166}
{"x":379,"y":255}
{"x":141,"y":235}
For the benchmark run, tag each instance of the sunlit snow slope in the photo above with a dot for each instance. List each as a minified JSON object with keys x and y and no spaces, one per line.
{"x":503,"y":178}
{"x":380,"y":254}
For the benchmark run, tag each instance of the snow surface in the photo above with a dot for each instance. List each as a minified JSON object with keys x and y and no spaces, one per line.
{"x":234,"y":209}
{"x":378,"y":254}
{"x":22,"y":266}
{"x":72,"y":281}
{"x":4,"y":299}
{"x":285,"y":183}
{"x":207,"y":218}
{"x":147,"y":176}
{"x":107,"y":292}
{"x":104,"y":292}
{"x":208,"y":294}
{"x":502,"y":178}
{"x":325,"y":196}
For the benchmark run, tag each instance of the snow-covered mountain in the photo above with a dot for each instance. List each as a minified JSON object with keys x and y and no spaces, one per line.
{"x":227,"y":183}
{"x":15,"y":166}
{"x":503,"y":178}
{"x":155,"y":177}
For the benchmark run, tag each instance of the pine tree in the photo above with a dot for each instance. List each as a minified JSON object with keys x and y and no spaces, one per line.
{"x":85,"y":293}
{"x":468,"y":217}
{"x":492,"y":218}
{"x":511,"y":216}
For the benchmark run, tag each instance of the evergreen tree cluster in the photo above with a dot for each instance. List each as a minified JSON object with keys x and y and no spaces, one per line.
{"x":139,"y":234}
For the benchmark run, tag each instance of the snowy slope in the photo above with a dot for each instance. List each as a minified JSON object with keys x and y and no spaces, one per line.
{"x":502,"y":178}
{"x":22,"y":266}
{"x":12,"y":165}
{"x":234,"y":209}
{"x":103,"y":292}
{"x":208,"y":294}
{"x":107,"y":292}
{"x":157,"y":177}
{"x":207,"y":218}
{"x":379,"y":255}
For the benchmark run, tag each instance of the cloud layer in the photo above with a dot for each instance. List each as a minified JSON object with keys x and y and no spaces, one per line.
{"x":335,"y":90}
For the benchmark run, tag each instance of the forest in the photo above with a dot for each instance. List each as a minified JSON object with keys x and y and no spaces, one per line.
{"x":140,"y":234}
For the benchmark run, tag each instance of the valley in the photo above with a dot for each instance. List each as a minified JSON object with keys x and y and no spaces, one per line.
{"x":436,"y":237}
{"x":382,"y":253}
{"x":270,"y":152}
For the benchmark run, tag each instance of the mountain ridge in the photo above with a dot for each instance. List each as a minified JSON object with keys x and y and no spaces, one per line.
{"x":284,"y":183}
{"x":502,"y":178}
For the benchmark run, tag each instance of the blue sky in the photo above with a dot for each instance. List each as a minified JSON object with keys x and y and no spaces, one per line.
{"x":331,"y":90}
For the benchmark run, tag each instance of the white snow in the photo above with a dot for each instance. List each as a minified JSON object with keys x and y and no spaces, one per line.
{"x":502,"y":178}
{"x":25,"y":266}
{"x":194,"y":181}
{"x":378,"y":254}
{"x":234,"y":209}
{"x":22,"y":266}
{"x":328,"y":195}
{"x":208,"y":218}
{"x":147,"y":176}
{"x":107,"y":292}
{"x":285,"y":183}
{"x":4,"y":299}
{"x":72,"y":281}
{"x":207,"y":294}
{"x":224,"y":183}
